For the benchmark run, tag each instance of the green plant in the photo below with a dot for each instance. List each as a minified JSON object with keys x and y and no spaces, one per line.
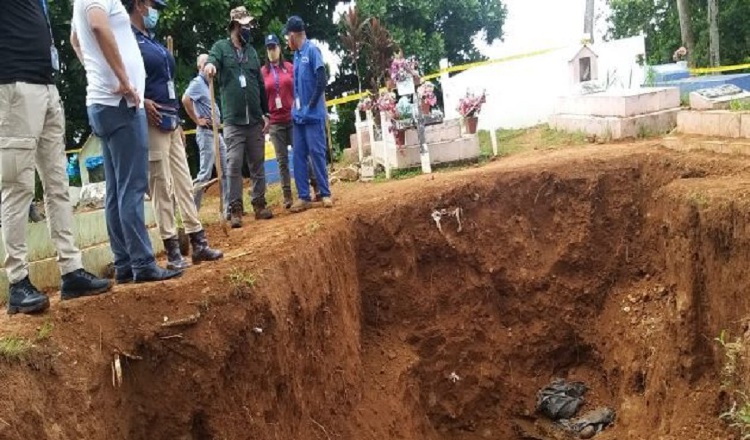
{"x":45,"y":330}
{"x":241,"y":280}
{"x":650,"y":80}
{"x":738,"y":416}
{"x":14,"y":348}
{"x":737,"y":105}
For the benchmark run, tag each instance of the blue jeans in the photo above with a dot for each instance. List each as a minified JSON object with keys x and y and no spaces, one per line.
{"x":205,"y":139}
{"x":310,"y":141}
{"x":123,"y":133}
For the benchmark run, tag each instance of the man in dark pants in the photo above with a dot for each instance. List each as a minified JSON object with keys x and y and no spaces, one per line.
{"x":105,"y":44}
{"x":32,"y":135}
{"x":309,"y":115}
{"x":245,"y":110}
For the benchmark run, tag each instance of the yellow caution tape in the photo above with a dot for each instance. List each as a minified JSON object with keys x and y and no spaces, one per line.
{"x":719,"y":69}
{"x":452,"y":69}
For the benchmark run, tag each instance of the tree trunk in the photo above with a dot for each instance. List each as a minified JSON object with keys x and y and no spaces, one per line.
{"x":588,"y":21}
{"x":713,"y":22}
{"x":686,"y":29}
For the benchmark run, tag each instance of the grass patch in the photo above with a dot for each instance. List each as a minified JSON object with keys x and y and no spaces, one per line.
{"x":242,"y":280}
{"x":737,"y":105}
{"x":732,"y":375}
{"x":14,"y":348}
{"x":45,"y":331}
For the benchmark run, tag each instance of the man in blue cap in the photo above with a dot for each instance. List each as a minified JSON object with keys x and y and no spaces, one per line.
{"x":308,"y":115}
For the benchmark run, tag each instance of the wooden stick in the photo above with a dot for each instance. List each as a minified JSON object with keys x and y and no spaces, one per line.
{"x":217,"y":154}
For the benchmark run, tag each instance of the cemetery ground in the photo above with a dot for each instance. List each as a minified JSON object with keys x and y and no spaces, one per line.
{"x":620,"y":265}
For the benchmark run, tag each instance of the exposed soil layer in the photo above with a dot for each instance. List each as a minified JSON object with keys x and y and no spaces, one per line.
{"x":612,"y":265}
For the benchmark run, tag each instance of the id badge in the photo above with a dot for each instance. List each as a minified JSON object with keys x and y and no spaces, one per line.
{"x":296,"y":103}
{"x":170,"y":90}
{"x":278,"y":103}
{"x":243,"y":81}
{"x":55,"y":57}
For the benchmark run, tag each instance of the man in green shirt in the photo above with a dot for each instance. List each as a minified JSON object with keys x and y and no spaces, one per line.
{"x":245,"y":111}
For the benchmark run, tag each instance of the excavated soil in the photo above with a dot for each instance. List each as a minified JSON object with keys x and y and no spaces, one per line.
{"x":613,"y":265}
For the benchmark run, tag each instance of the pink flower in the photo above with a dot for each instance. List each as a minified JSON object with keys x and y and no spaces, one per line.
{"x":470,"y":105}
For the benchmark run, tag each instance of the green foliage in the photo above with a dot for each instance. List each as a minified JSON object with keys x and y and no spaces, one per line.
{"x":194,"y":26}
{"x":344,"y":127}
{"x":658,"y":20}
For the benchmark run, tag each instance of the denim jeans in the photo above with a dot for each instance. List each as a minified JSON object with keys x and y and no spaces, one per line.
{"x":123,"y":133}
{"x":205,"y":139}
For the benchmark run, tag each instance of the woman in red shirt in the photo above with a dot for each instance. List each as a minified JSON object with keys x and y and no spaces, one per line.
{"x":278,"y":75}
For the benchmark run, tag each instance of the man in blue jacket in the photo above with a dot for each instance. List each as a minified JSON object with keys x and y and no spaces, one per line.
{"x":308,"y":115}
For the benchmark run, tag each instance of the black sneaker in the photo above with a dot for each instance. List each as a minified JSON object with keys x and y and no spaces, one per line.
{"x":80,"y":283}
{"x":263,"y":214}
{"x":156,"y":273}
{"x":124,"y":277}
{"x":23,"y":297}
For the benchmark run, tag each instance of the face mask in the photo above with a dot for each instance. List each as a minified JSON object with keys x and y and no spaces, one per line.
{"x":151,"y":18}
{"x":245,"y":35}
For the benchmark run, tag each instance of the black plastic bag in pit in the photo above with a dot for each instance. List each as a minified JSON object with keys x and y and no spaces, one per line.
{"x":560,"y":399}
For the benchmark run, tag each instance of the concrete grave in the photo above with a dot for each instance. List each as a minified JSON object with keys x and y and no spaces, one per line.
{"x":618,"y":114}
{"x":718,"y":98}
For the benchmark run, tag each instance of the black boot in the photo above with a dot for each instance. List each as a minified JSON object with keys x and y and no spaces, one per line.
{"x":175,"y":261}
{"x":155,"y":273}
{"x":23,"y":297}
{"x":201,"y":250}
{"x":81,"y":283}
{"x":235,"y":214}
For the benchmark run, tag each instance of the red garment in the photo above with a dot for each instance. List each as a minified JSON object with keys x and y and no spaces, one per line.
{"x":285,"y":73}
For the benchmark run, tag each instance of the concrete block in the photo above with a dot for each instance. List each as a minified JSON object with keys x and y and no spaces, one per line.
{"x":620,"y":103}
{"x":719,"y":98}
{"x":745,"y":125}
{"x":612,"y":128}
{"x":45,"y":273}
{"x":89,"y":229}
{"x":721,"y":123}
{"x":463,"y":148}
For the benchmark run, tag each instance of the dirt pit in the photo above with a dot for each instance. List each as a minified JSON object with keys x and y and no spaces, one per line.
{"x":613,"y":267}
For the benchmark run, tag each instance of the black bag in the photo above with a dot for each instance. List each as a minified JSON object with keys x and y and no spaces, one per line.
{"x":560,"y":399}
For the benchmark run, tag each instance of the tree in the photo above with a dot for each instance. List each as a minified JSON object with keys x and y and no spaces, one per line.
{"x":435,"y":29}
{"x":713,"y":25}
{"x":588,"y":21}
{"x":195,"y":25}
{"x":353,"y":38}
{"x":686,"y":29}
{"x":659,"y":21}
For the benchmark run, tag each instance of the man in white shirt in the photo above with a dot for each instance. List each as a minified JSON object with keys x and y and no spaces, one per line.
{"x":32,"y":136}
{"x":105,"y":44}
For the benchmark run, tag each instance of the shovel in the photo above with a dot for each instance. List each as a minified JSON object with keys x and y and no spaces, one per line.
{"x":217,"y":155}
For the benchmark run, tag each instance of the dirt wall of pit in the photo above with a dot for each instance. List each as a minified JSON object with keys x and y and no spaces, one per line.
{"x":618,"y":271}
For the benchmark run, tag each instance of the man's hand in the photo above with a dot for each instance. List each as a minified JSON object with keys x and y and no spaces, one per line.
{"x":130,"y":93}
{"x":152,"y":111}
{"x":210,"y":70}
{"x":204,"y":122}
{"x":266,"y":124}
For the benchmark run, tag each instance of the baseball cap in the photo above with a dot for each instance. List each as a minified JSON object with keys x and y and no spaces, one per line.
{"x":160,"y":4}
{"x":294,"y":24}
{"x":272,"y":40}
{"x":240,"y":15}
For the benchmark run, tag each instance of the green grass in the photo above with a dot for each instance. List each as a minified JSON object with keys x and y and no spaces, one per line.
{"x":738,"y":415}
{"x":14,"y":348}
{"x":242,"y":280}
{"x":45,"y":331}
{"x":737,"y":105}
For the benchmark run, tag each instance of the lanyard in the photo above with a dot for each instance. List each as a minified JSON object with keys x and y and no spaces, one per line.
{"x":161,"y":50}
{"x":43,"y":3}
{"x":276,"y":78}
